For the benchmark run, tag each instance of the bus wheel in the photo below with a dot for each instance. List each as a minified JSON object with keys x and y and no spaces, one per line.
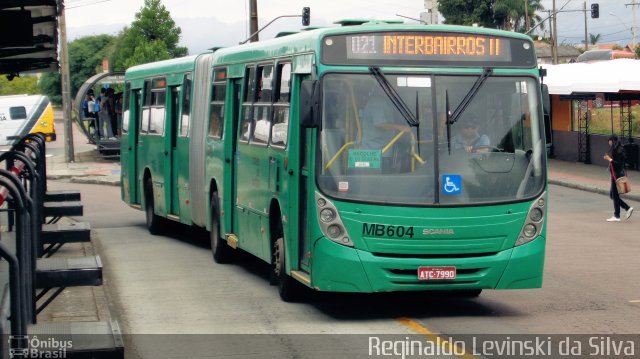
{"x":288,"y":289}
{"x":153,"y":221}
{"x":219,"y":247}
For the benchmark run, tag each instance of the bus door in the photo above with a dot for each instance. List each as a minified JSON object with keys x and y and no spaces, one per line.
{"x":230,"y":219}
{"x":171,"y":171}
{"x":180,"y":167}
{"x":130,"y":128}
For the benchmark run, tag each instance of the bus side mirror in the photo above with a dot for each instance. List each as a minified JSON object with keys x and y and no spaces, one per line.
{"x":546,"y":99}
{"x":310,"y":104}
{"x":546,"y":107}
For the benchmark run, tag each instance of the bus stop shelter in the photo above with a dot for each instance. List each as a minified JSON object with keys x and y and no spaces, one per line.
{"x":579,"y":88}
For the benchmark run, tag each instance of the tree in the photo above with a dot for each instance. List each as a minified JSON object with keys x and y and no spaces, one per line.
{"x":19,"y":85}
{"x":467,"y":12}
{"x":510,"y":14}
{"x":593,"y":39}
{"x":503,"y":14}
{"x":85,"y":60}
{"x":153,"y":36}
{"x":51,"y":86}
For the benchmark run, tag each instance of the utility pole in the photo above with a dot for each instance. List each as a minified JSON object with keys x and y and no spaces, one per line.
{"x":526,"y":16}
{"x":66,"y":86}
{"x":634,"y":29}
{"x":555,"y":34}
{"x":253,"y":20}
{"x":586,"y":38}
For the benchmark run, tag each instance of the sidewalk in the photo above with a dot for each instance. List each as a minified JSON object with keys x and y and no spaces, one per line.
{"x":87,"y":168}
{"x":591,"y":178}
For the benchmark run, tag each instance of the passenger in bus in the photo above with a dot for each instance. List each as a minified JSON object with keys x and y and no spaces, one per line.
{"x":469,"y":139}
{"x":380,"y":121}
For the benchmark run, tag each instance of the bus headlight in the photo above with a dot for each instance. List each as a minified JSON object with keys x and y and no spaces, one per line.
{"x":535,"y":215}
{"x":334,"y":231}
{"x":534,"y":223}
{"x":327,"y":215}
{"x":529,"y":230}
{"x":330,"y":221}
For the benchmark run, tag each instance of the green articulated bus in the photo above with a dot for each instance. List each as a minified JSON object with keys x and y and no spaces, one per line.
{"x":366,"y":158}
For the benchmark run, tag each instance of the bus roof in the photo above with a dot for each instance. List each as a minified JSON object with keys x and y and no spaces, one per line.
{"x":308,"y":41}
{"x":172,"y":65}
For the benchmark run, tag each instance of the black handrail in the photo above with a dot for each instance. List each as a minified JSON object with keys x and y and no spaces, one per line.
{"x":34,"y":208}
{"x":23,"y":252}
{"x":18,"y":325}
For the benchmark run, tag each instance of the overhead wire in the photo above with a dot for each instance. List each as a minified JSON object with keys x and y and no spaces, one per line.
{"x":80,"y":4}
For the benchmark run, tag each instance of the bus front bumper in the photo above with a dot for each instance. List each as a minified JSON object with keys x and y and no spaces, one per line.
{"x":338,"y":268}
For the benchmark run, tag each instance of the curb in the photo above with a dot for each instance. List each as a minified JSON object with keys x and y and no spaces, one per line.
{"x":87,"y":179}
{"x":101,"y":180}
{"x":593,"y":189}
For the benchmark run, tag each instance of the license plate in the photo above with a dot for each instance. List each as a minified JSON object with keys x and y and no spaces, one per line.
{"x":436,"y":273}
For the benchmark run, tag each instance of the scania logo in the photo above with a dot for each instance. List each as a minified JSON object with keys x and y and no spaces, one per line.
{"x":431,"y":231}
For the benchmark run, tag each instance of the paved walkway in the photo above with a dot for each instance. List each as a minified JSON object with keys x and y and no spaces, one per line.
{"x":592,"y":178}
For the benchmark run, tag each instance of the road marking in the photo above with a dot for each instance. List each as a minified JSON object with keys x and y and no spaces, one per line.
{"x":431,"y":336}
{"x":635,"y":301}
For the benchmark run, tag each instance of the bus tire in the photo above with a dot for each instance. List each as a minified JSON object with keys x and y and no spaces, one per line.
{"x":153,"y":220}
{"x":288,"y":288}
{"x":219,"y":247}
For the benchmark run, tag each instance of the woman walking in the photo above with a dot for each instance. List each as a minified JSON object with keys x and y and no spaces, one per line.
{"x":616,"y":159}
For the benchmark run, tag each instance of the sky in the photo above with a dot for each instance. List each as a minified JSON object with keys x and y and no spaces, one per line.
{"x":208,"y":23}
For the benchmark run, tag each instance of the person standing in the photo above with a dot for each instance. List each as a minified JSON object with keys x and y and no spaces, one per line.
{"x":105,"y":116}
{"x":616,"y":158}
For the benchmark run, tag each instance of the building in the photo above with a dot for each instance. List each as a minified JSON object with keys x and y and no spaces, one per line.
{"x":566,"y":54}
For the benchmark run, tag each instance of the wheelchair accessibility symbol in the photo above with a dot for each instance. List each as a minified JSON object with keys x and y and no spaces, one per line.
{"x":451,"y":184}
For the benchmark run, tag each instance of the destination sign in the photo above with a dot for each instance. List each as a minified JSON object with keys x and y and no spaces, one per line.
{"x":420,"y":48}
{"x":446,"y":46}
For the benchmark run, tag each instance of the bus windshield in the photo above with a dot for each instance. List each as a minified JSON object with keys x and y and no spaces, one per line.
{"x":369,"y":153}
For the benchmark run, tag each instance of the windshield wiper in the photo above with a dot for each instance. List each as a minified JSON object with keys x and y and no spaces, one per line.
{"x":448,"y":120}
{"x":455,"y":116}
{"x":394,"y":96}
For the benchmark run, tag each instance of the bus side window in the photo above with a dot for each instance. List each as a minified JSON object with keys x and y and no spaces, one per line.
{"x":156,"y":121}
{"x":262,"y":106}
{"x":247,"y":108}
{"x":186,"y":106}
{"x":280,"y":130}
{"x":126,"y":100}
{"x":218,"y":92}
{"x":146,"y":103}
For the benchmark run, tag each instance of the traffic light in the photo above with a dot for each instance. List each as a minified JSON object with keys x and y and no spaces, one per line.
{"x":306,"y":16}
{"x":595,"y":11}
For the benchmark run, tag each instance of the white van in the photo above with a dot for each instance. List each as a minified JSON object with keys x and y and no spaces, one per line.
{"x":23,"y":114}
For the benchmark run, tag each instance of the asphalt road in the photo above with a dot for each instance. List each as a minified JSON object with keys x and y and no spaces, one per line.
{"x":170,"y":285}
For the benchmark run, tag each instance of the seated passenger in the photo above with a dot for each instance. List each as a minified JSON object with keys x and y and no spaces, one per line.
{"x":469,"y":139}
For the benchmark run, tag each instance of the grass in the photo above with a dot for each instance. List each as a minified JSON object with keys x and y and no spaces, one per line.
{"x":601,"y":120}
